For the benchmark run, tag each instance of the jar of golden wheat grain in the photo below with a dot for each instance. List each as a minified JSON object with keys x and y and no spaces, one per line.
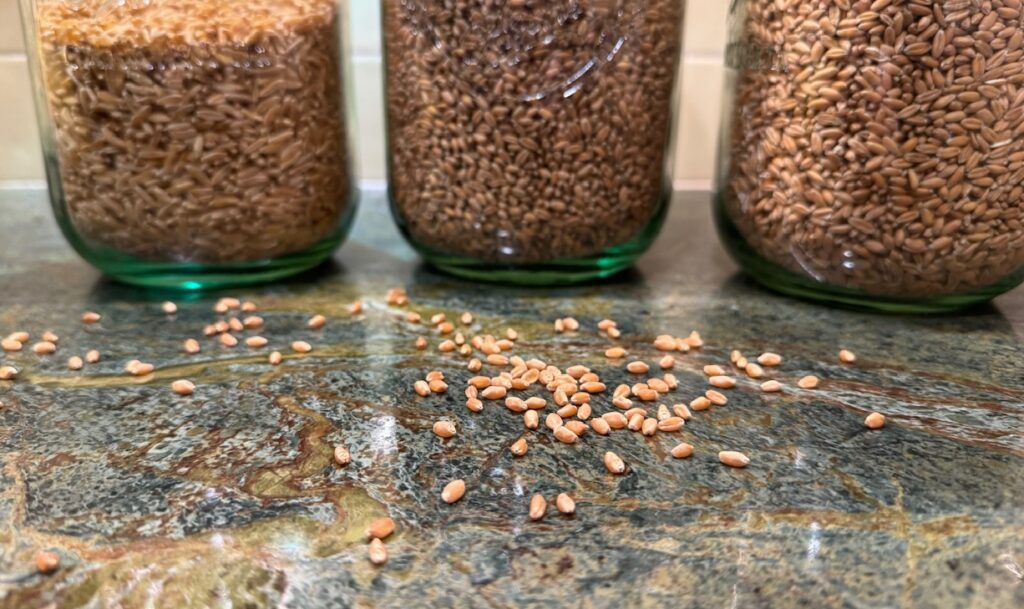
{"x":872,"y":150}
{"x":194,"y":143}
{"x":529,"y":141}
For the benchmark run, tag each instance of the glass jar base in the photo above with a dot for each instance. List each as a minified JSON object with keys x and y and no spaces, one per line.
{"x":203,"y":276}
{"x":780,"y":279}
{"x":562,"y":271}
{"x":212,"y":276}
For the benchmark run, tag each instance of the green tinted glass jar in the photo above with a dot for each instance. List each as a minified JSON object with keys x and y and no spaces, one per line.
{"x":872,"y":152}
{"x":194,"y":143}
{"x":529,"y":141}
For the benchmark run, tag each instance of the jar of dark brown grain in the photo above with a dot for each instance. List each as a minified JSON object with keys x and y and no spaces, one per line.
{"x":872,"y":150}
{"x":529,"y":140}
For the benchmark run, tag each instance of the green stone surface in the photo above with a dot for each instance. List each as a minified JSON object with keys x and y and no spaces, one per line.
{"x":230,"y":497}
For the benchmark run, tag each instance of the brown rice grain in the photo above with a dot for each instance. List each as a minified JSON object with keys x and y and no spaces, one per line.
{"x":46,"y":562}
{"x":613,"y":463}
{"x":682,"y":450}
{"x":515,"y":404}
{"x":531,"y":420}
{"x":493,"y":393}
{"x":733,"y":458}
{"x":875,"y":420}
{"x":615,"y":353}
{"x":715,"y":397}
{"x":536,"y":403}
{"x":453,"y":491}
{"x":44,"y":348}
{"x":665,"y":342}
{"x":569,"y":410}
{"x":565,"y":435}
{"x":538,"y":506}
{"x":141,"y":369}
{"x":444,"y":429}
{"x":722,"y":382}
{"x":700,"y":403}
{"x":577,"y":427}
{"x":615,"y":420}
{"x":381,"y":528}
{"x":183,"y":387}
{"x":553,"y":421}
{"x":808,"y":382}
{"x":637,"y":367}
{"x":256,"y":342}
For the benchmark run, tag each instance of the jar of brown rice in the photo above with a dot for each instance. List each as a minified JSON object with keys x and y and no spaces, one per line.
{"x":872,"y":151}
{"x":194,"y":143}
{"x":529,"y":141}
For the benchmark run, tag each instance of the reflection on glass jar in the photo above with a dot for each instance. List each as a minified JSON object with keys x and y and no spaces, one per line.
{"x":529,"y":141}
{"x":191,"y":143}
{"x":873,"y":154}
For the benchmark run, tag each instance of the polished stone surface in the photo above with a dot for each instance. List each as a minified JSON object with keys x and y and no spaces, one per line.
{"x":230,"y":498}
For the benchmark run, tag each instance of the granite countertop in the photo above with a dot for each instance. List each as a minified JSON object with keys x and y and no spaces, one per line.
{"x":230,"y":497}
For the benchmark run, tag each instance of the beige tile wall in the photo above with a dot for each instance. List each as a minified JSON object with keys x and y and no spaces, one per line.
{"x":698,"y":122}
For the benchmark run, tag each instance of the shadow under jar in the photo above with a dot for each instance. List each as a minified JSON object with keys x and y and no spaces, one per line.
{"x":529,"y":140}
{"x":872,"y":152}
{"x":194,"y":143}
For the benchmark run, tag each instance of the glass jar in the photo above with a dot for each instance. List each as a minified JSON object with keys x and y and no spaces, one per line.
{"x":529,"y":141}
{"x":194,"y":143}
{"x":872,"y":151}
